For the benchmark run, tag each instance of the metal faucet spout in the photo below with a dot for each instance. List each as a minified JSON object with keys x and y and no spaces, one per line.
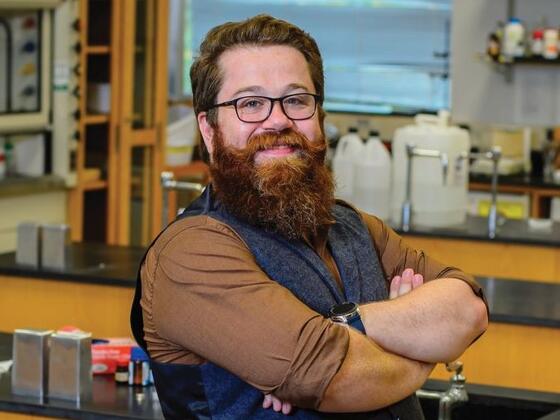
{"x":494,"y":155}
{"x":411,"y":152}
{"x":455,"y":395}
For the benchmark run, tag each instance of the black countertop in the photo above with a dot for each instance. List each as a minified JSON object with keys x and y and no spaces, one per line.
{"x":508,"y":231}
{"x":90,"y":262}
{"x":111,"y":402}
{"x":518,"y":180}
{"x":511,"y":301}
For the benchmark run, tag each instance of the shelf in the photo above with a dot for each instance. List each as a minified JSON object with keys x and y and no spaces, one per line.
{"x":522,"y":60}
{"x":95,"y":185}
{"x":96,"y":118}
{"x":97,"y":49}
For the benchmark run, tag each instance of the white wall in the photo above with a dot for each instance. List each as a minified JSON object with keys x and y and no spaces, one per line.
{"x":43,"y":208}
{"x":480,"y":94}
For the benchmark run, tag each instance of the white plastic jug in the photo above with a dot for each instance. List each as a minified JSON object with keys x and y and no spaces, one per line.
{"x":435,"y":203}
{"x":372,"y":179}
{"x":348,"y":151}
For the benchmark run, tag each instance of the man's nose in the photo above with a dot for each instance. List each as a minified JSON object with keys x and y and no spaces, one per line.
{"x":277,"y":120}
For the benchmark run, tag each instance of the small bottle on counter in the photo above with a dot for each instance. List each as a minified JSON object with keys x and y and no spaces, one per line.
{"x":537,"y":43}
{"x":138,"y":368}
{"x":550,"y":44}
{"x":514,"y":37}
{"x":121,"y":372}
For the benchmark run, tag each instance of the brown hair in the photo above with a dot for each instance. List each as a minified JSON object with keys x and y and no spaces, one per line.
{"x":260,"y":30}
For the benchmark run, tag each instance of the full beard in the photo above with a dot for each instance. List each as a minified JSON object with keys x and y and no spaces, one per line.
{"x":291,"y":196}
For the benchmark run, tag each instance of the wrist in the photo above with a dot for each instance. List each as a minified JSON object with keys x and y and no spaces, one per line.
{"x":347,"y":313}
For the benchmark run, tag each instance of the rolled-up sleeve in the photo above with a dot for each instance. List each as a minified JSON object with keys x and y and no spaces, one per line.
{"x":395,"y":256}
{"x":210,"y":297}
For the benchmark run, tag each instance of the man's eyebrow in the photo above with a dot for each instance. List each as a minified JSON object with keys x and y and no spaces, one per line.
{"x":252,"y":90}
{"x":295,"y":86}
{"x":260,"y":91}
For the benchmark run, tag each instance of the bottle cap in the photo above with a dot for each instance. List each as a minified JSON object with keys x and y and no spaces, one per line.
{"x":373,"y":133}
{"x":137,"y":354}
{"x":352,"y":129}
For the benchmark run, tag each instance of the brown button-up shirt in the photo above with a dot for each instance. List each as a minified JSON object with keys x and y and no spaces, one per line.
{"x":204,"y":298}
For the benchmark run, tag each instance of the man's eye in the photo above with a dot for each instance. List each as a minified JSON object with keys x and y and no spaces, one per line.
{"x":296,"y":101}
{"x":251,"y":103}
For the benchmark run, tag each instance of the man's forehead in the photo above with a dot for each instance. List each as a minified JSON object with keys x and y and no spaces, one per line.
{"x":253,"y":67}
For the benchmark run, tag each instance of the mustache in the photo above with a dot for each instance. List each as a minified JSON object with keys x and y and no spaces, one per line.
{"x":287,"y":137}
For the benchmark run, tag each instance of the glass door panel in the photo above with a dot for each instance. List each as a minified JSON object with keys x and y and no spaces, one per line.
{"x":143,"y":91}
{"x":140,"y":193}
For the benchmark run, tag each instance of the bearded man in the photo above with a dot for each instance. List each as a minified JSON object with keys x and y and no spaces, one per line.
{"x":268,"y":296}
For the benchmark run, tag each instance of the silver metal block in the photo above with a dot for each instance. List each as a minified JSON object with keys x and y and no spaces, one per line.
{"x":28,"y":244}
{"x":30,"y":357}
{"x":70,"y":374}
{"x":55,"y":239}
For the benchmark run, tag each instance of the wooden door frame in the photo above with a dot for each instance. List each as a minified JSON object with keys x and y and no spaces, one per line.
{"x":154,"y":137}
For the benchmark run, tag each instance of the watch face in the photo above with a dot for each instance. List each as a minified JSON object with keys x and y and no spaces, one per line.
{"x":343,"y":308}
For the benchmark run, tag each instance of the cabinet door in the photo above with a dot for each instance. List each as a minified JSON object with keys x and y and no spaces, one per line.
{"x":142,"y":120}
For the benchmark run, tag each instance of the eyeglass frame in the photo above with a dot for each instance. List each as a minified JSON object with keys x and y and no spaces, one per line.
{"x":280,"y":99}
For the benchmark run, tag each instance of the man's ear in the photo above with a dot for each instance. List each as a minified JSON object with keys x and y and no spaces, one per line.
{"x":206,"y":130}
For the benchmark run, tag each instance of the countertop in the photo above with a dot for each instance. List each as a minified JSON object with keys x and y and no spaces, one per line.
{"x":518,"y":180}
{"x":511,"y":301}
{"x":108,"y":400}
{"x":476,"y":228}
{"x":111,"y":402}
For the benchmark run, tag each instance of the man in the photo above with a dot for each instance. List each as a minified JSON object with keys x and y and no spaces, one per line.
{"x":238,"y":297}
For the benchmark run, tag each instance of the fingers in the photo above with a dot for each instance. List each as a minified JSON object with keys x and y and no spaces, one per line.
{"x":406,"y":283}
{"x":401,"y":285}
{"x":395,"y":286}
{"x":267,"y":402}
{"x":417,"y":280}
{"x":276,"y":404}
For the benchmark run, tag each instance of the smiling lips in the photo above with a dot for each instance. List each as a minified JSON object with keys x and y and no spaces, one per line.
{"x":274,"y":152}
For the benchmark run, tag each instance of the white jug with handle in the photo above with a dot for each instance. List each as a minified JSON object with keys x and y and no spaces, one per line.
{"x":372,"y":178}
{"x":436,"y":202}
{"x":348,"y":151}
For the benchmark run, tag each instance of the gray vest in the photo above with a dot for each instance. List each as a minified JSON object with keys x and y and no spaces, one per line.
{"x":210,"y":391}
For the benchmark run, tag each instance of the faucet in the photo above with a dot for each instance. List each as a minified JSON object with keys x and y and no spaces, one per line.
{"x":168,"y":183}
{"x":412,"y":151}
{"x":454,"y":396}
{"x":494,"y":155}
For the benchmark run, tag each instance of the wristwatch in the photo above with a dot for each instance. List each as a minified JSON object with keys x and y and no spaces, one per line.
{"x":347,"y":313}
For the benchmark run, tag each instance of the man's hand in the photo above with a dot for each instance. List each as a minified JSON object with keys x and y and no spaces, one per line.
{"x":276,"y":404}
{"x":401,"y":285}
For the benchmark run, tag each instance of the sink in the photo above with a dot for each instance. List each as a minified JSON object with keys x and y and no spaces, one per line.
{"x":487,"y":402}
{"x":481,"y":407}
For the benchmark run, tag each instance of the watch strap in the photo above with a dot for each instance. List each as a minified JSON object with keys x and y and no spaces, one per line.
{"x":357,"y":323}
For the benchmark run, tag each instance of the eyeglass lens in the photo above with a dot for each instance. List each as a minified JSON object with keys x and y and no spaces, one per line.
{"x":258,"y":108}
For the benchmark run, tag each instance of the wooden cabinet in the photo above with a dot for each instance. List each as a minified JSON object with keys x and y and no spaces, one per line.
{"x":123,"y":59}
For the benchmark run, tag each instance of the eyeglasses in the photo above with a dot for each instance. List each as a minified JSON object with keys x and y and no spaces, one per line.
{"x":255,"y":109}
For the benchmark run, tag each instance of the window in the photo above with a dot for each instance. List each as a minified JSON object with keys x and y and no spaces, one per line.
{"x":380,"y":56}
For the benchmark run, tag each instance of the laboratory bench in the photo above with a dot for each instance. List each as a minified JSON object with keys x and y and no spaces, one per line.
{"x":109,"y":401}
